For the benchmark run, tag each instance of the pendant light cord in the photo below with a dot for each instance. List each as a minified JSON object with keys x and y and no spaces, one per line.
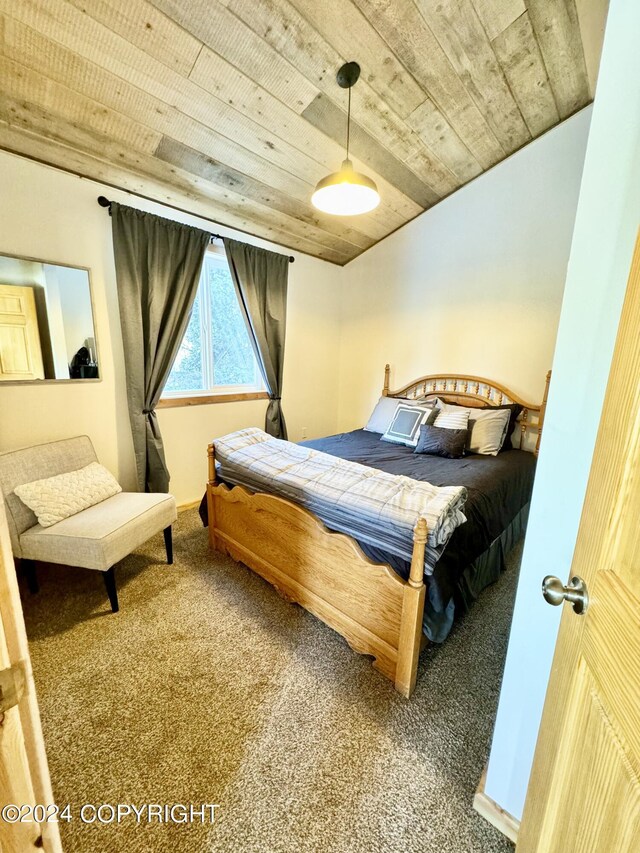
{"x":348,"y":121}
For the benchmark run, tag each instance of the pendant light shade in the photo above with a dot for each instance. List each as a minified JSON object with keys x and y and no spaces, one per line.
{"x":347,"y":192}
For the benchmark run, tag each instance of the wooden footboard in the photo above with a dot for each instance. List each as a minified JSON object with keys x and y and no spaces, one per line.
{"x":375,"y":610}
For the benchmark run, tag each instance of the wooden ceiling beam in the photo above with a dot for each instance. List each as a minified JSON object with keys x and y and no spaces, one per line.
{"x":56,"y":63}
{"x":519,"y":55}
{"x":54,"y":110}
{"x":497,"y":15}
{"x":344,"y":27}
{"x":233,"y":106}
{"x":156,"y":34}
{"x":63,"y":129}
{"x":26,"y":88}
{"x":555,"y":23}
{"x":288,"y":32}
{"x":279,"y":124}
{"x":84,"y":36}
{"x":217,"y":76}
{"x":429,"y":123}
{"x":150,"y":178}
{"x":405,"y":30}
{"x":323,"y":114}
{"x":230,"y":44}
{"x":190,"y":160}
{"x":459,"y":32}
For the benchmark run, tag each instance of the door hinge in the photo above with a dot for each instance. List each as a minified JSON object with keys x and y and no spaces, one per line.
{"x":12,"y":685}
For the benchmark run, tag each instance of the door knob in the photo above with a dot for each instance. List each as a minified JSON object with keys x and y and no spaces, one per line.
{"x":555,"y":592}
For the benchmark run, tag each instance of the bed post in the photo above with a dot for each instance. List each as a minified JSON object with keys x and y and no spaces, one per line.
{"x":412,"y":612}
{"x":211,"y":452}
{"x":385,"y":387}
{"x":543,"y":409}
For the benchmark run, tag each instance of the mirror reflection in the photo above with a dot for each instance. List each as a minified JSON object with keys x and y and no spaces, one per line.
{"x":46,"y":322}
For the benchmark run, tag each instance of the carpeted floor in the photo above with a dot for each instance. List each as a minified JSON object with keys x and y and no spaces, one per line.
{"x":208,"y":688}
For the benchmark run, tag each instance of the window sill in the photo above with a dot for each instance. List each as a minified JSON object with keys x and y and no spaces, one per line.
{"x":206,"y":399}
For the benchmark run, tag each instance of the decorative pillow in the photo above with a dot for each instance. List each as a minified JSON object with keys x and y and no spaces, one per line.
{"x":405,"y":424}
{"x":385,"y":410}
{"x":451,"y":420}
{"x":439,"y":441}
{"x":514,"y":414}
{"x":487,"y":427}
{"x":64,"y":495}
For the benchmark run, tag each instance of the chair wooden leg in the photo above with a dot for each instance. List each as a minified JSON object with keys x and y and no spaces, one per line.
{"x":29,"y":569}
{"x":110,"y":583}
{"x":168,"y":544}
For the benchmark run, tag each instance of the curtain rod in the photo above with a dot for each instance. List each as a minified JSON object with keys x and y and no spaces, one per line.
{"x":103,"y":201}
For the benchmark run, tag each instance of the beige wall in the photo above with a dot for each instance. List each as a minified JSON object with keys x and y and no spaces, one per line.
{"x":53,"y":216}
{"x":472,"y":286}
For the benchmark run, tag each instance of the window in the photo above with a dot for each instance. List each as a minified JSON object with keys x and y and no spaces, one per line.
{"x":216,"y":356}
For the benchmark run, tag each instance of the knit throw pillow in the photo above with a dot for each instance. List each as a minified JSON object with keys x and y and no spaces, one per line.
{"x":59,"y":497}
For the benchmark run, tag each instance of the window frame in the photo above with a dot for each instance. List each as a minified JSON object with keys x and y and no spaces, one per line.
{"x":213,"y":393}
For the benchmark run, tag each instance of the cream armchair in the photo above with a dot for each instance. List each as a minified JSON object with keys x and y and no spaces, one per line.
{"x":96,"y":538}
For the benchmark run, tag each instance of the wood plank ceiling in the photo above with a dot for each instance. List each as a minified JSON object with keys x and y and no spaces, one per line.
{"x":230,"y":108}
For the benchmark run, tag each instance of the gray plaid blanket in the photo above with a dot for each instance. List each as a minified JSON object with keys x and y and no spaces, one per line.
{"x":372,"y":506}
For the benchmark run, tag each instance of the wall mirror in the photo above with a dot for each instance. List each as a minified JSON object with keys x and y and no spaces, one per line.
{"x":47,"y":329}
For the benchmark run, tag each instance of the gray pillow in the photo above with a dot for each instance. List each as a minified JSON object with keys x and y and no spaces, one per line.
{"x":440,"y":441}
{"x":405,"y":424}
{"x":385,"y":410}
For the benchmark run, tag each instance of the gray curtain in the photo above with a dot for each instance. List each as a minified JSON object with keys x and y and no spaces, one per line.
{"x":158,"y":265}
{"x":260,"y":278}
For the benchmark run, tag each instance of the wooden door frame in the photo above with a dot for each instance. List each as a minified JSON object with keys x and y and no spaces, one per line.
{"x":18,"y":648}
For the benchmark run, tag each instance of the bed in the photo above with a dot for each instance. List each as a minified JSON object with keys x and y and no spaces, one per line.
{"x":379,"y":603}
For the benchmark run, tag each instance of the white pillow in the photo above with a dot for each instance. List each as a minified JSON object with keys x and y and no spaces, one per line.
{"x":487,"y":428}
{"x":385,"y":410}
{"x":59,"y":497}
{"x":454,"y":419}
{"x":406,"y":422}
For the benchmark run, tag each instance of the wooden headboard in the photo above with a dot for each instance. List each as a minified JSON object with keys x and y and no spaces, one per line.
{"x":476,"y":391}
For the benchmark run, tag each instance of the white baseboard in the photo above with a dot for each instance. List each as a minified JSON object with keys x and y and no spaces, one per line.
{"x":492,"y":812}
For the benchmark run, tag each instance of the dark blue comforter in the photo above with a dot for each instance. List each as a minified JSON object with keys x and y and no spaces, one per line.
{"x":498,"y":487}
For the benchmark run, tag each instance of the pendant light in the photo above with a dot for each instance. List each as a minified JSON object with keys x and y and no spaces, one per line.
{"x":347,"y":192}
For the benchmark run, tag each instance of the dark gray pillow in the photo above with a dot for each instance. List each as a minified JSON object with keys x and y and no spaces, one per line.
{"x":438,"y":441}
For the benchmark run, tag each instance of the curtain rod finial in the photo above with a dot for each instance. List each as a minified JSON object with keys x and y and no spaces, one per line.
{"x":103,"y":201}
